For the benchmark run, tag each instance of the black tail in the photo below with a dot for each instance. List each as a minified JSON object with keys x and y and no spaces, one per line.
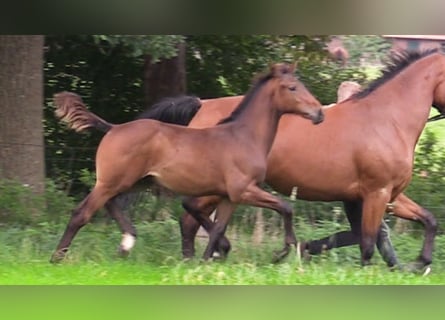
{"x":178,"y":110}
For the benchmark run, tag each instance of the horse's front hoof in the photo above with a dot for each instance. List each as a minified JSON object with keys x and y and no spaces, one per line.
{"x":122,"y":252}
{"x":58,"y":256}
{"x":280,"y":254}
{"x":418,"y":267}
{"x":216,"y":256}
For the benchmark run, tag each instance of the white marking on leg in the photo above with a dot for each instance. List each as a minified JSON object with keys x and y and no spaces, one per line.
{"x":427,"y":271}
{"x":293,"y":195}
{"x":127,"y":241}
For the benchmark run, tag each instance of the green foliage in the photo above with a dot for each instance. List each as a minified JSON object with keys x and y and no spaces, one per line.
{"x":372,"y":48}
{"x":18,"y":203}
{"x":58,"y":207}
{"x":323,"y":77}
{"x":224,"y":65}
{"x":19,"y":206}
{"x":157,"y":46}
{"x":427,"y":186}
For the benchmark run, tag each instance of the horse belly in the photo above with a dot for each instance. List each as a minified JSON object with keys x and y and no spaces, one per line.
{"x":188,"y":183}
{"x":314,"y":184}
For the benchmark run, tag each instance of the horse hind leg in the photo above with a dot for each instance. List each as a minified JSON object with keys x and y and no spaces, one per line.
{"x":408,"y":209}
{"x":80,"y":217}
{"x":127,"y":228}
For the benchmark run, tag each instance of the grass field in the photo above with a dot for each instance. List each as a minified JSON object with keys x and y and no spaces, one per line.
{"x":156,"y":261}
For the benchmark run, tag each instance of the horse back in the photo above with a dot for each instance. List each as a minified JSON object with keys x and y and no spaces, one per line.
{"x":213,"y":110}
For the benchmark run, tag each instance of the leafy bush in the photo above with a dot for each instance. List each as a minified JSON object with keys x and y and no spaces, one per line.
{"x":323,"y":77}
{"x":18,"y":203}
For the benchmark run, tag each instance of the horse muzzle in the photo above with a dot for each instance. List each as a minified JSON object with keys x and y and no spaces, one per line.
{"x":317,"y":117}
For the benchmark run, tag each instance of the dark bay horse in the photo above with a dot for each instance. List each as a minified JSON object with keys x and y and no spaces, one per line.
{"x":185,"y":161}
{"x":363,"y":156}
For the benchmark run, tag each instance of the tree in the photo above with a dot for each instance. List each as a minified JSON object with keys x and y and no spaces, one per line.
{"x":165,"y":78}
{"x":21,"y":112}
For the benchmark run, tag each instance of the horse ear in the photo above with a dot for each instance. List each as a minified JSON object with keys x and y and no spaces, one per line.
{"x":279,"y":69}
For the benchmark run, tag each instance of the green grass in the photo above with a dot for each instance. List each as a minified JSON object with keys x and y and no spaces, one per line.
{"x":39,"y":272}
{"x":155,"y":260}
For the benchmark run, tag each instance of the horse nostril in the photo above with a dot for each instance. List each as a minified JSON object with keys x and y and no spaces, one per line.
{"x":319,"y":118}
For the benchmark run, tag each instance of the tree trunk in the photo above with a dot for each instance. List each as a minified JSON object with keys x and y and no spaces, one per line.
{"x":21,"y":110}
{"x":165,"y":78}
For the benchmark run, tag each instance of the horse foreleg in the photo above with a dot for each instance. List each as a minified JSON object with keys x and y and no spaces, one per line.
{"x":189,"y":228}
{"x":80,"y":216}
{"x":225,"y":210}
{"x":407,"y":209}
{"x":256,"y":196}
{"x":198,"y":211}
{"x":353,"y":212}
{"x":127,"y":228}
{"x":374,"y":205}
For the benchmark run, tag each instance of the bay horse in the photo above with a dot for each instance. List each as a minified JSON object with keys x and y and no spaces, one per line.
{"x":363,"y":156}
{"x":184,"y":159}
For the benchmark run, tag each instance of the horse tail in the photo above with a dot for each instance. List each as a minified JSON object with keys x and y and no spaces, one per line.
{"x":71,"y":109}
{"x":177,"y":110}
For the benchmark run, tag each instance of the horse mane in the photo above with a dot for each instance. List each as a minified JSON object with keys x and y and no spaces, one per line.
{"x":258,"y":82}
{"x":396,"y":63}
{"x":177,"y":110}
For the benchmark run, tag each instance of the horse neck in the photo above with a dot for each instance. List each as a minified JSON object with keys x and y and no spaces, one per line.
{"x":413,"y":88}
{"x":259,"y":121}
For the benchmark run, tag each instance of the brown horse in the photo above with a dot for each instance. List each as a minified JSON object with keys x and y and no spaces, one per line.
{"x":184,"y":159}
{"x":363,"y":156}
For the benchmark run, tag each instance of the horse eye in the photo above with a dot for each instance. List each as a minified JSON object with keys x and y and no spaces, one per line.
{"x":292,"y":88}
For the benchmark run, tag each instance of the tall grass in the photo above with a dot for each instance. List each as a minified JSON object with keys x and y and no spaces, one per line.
{"x":156,"y":259}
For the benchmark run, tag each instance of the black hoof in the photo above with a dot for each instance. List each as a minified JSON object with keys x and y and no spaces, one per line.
{"x":281,"y":254}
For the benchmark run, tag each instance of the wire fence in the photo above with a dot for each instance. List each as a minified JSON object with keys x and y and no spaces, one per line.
{"x":63,"y":164}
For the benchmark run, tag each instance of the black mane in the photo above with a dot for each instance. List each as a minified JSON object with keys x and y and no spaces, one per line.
{"x":259,"y":82}
{"x":177,"y":110}
{"x":394,"y":66}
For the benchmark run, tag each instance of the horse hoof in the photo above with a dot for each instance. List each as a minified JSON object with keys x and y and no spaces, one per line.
{"x":426,"y":271}
{"x":122,"y":252}
{"x":58,"y":256}
{"x":216,"y":256}
{"x":418,"y":267}
{"x":280,"y":255}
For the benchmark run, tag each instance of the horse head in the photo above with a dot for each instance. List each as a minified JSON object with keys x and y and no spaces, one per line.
{"x":292,"y":96}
